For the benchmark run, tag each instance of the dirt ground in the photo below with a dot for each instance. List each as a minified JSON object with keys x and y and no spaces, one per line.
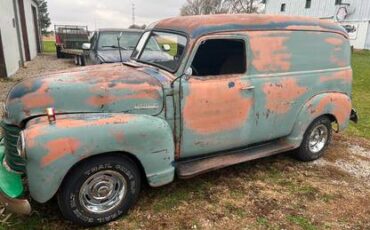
{"x":273,"y":193}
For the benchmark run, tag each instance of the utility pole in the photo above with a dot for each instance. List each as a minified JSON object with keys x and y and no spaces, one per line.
{"x":133,"y":13}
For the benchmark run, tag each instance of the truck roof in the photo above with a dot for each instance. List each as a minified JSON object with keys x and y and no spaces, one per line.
{"x":200,"y":25}
{"x":119,"y":30}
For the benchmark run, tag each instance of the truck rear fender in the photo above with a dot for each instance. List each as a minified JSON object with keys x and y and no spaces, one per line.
{"x":53,"y":149}
{"x":337,"y":106}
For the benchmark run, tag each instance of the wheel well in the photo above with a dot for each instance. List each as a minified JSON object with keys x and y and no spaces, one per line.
{"x":115,"y":154}
{"x":333,"y":119}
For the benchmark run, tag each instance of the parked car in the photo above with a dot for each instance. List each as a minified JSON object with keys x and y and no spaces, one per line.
{"x":233,"y":88}
{"x":103,"y":47}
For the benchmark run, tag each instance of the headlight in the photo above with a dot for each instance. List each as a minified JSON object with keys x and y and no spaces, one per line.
{"x":21,"y":146}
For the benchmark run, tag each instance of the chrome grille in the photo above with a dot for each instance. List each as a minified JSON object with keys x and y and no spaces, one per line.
{"x":11,"y":134}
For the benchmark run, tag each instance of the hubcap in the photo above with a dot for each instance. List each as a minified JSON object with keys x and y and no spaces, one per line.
{"x":318,"y":138}
{"x":103,"y":191}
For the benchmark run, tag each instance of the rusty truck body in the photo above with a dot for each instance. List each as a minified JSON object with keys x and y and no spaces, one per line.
{"x":232,"y":88}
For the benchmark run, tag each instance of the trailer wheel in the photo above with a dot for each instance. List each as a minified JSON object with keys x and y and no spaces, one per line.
{"x":82,"y":60}
{"x":59,"y":52}
{"x":77,"y":60}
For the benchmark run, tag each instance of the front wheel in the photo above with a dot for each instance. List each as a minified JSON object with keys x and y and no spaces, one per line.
{"x":99,"y":190}
{"x":315,"y":140}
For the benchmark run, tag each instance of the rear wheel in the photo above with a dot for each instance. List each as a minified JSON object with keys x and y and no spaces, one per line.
{"x":99,"y":190}
{"x":316,"y":140}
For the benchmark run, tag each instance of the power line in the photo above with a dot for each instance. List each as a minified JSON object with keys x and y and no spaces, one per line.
{"x":133,"y":13}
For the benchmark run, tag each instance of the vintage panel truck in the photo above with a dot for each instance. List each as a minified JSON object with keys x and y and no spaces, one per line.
{"x":232,"y":88}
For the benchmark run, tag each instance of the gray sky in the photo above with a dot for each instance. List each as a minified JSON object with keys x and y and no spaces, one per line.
{"x":111,"y":13}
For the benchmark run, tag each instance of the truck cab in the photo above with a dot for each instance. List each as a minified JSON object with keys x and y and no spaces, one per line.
{"x":229,"y":89}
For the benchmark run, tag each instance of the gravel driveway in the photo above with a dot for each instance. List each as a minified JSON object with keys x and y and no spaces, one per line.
{"x":40,"y":65}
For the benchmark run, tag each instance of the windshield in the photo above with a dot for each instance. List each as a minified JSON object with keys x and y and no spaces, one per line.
{"x":161,"y":49}
{"x":108,"y":40}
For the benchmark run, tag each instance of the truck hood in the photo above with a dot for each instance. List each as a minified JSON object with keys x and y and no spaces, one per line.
{"x":110,"y":88}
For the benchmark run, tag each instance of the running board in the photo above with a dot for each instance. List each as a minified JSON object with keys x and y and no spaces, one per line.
{"x":190,"y":168}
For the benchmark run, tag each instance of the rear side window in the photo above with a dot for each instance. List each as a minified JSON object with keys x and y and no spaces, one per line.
{"x":220,"y":57}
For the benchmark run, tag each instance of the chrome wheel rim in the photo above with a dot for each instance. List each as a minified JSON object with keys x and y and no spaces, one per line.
{"x":318,"y":138}
{"x":103,"y":191}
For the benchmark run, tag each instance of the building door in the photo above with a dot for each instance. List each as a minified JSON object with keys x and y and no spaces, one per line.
{"x":2,"y":60}
{"x":22,"y":15}
{"x":367,"y":42}
{"x":36,"y":26}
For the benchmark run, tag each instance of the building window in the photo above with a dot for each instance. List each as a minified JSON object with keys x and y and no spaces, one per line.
{"x":338,"y":2}
{"x":282,"y":8}
{"x":308,"y":4}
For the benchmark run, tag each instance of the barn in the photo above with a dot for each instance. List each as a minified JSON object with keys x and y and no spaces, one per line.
{"x":19,"y":34}
{"x":354,"y":15}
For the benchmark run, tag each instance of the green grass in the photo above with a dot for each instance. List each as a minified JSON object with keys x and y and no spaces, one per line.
{"x":48,"y":46}
{"x":302,"y":221}
{"x":361,"y":93}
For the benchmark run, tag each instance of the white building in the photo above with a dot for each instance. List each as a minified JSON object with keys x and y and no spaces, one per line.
{"x":19,"y":34}
{"x":353,"y":14}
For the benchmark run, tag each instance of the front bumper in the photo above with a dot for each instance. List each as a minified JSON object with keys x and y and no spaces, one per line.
{"x":11,"y":188}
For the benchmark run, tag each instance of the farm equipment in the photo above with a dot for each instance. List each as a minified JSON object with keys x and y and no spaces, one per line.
{"x":69,"y":40}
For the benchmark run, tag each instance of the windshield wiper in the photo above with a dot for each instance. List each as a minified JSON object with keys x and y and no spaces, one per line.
{"x":115,"y":47}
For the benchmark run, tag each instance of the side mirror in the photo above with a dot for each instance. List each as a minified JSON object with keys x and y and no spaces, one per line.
{"x":86,"y":46}
{"x":188,"y":73}
{"x":166,"y":47}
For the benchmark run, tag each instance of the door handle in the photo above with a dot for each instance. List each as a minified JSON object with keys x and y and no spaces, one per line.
{"x":247,"y":87}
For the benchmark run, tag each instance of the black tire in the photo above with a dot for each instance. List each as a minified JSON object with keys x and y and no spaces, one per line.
{"x":72,"y":205}
{"x":305,"y":152}
{"x":59,"y":53}
{"x":83,"y":61}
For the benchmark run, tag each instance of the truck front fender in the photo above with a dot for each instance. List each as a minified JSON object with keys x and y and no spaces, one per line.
{"x":53,"y":149}
{"x":337,"y":105}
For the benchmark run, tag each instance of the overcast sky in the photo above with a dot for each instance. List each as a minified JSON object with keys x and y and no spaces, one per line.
{"x":111,"y":13}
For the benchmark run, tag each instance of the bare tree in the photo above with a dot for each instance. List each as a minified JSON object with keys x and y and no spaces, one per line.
{"x":200,"y":7}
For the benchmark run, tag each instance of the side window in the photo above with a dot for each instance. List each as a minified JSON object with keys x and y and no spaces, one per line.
{"x":93,"y":40}
{"x":283,"y":7}
{"x":220,"y":57}
{"x":308,"y":4}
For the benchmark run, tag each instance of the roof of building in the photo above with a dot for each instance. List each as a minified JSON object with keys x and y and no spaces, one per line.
{"x":197,"y":26}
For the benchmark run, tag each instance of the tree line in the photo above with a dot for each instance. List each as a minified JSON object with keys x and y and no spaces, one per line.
{"x":202,"y":7}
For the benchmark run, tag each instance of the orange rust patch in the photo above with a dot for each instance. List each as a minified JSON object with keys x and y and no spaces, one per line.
{"x":334,"y":41}
{"x":38,"y":99}
{"x":341,"y":107}
{"x":143,"y":91}
{"x":118,"y":136}
{"x":345,"y":75}
{"x":58,"y":149}
{"x":269,"y":51}
{"x":191,"y":23}
{"x":32,"y":134}
{"x":213,"y":107}
{"x":279,"y":96}
{"x":77,"y":123}
{"x":339,"y":62}
{"x":101,"y":100}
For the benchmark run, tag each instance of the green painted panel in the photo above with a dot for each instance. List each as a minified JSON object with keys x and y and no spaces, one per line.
{"x":10,"y":183}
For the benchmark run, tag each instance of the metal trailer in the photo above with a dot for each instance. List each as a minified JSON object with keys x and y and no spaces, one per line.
{"x":69,"y":40}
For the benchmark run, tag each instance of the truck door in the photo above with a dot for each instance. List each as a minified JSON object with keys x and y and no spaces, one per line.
{"x":217,"y":101}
